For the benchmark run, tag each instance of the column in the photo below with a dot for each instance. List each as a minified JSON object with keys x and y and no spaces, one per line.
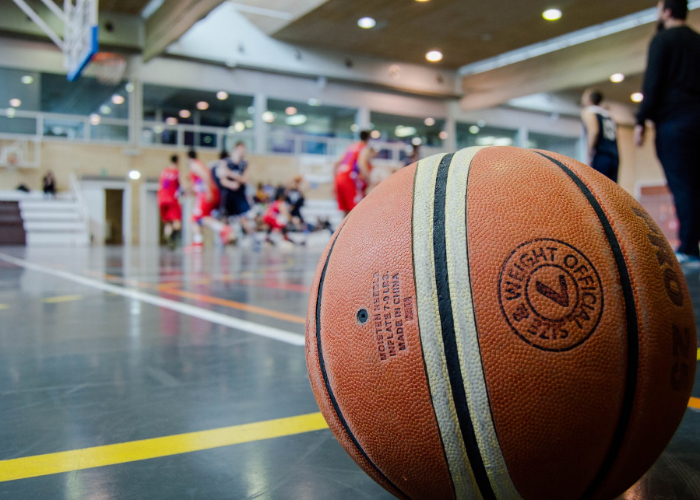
{"x":260,"y":127}
{"x":136,"y":113}
{"x":450,"y":144}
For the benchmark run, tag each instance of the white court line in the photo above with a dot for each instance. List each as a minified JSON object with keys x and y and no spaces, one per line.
{"x":173,"y":305}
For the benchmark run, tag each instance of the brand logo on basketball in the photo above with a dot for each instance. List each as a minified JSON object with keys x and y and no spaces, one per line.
{"x":550,"y":294}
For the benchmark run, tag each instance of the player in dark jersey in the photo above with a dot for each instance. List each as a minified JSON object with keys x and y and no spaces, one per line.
{"x":231,"y":175}
{"x":601,"y":135}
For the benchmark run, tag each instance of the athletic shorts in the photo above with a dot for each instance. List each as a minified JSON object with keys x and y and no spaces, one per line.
{"x":170,"y":211}
{"x":204,"y":207}
{"x":347,"y":193}
{"x":274,"y":222}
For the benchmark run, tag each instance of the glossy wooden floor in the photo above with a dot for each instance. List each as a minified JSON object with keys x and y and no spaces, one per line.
{"x":82,"y":367}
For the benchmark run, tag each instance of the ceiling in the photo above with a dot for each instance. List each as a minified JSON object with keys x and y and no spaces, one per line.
{"x":464,"y":30}
{"x":133,"y":7}
{"x":617,"y":92}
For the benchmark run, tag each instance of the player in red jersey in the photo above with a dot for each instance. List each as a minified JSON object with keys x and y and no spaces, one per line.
{"x":207,"y":200}
{"x":277,"y":216}
{"x":352,"y":174}
{"x":168,"y":192}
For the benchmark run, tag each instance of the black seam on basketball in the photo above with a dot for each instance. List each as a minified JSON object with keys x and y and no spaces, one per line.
{"x":425,"y":367}
{"x":322,"y":364}
{"x":448,"y":333}
{"x":632,"y":333}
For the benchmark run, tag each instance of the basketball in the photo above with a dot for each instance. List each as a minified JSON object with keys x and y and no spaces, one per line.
{"x":501,"y":323}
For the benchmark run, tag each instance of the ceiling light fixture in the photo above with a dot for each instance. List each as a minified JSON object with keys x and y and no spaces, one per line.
{"x":134,"y":175}
{"x":268,"y":116}
{"x":129,"y":87}
{"x":95,"y":119}
{"x":11,"y":112}
{"x":291,"y":110}
{"x":552,"y":14}
{"x":118,"y":99}
{"x":443,"y":135}
{"x":366,"y":23}
{"x":221,"y":95}
{"x":202,"y":105}
{"x":617,"y":78}
{"x":429,"y":122}
{"x":239,"y":126}
{"x":474,"y":129}
{"x":434,"y":56}
{"x":105,"y":110}
{"x":15,"y":103}
{"x":637,"y":97}
{"x":416,"y":141}
{"x":375,"y":134}
{"x":296,"y":120}
{"x":171,"y":120}
{"x":313,"y":102}
{"x":184,"y":113}
{"x":27,"y":79}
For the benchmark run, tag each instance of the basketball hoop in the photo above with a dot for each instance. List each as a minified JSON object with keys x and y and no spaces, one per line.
{"x":109,"y":67}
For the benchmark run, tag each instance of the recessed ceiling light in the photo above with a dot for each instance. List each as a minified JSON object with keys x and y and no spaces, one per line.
{"x":434,"y":56}
{"x":443,"y":135}
{"x":552,"y":14}
{"x":416,"y":141}
{"x":95,"y":119}
{"x":129,"y":87}
{"x":15,"y":103}
{"x":366,"y":23}
{"x":291,"y":110}
{"x":375,"y":134}
{"x":184,"y":113}
{"x":11,"y":112}
{"x":105,"y":110}
{"x":313,"y":102}
{"x":239,"y":126}
{"x":268,"y":116}
{"x":422,"y":1}
{"x":249,"y":123}
{"x":221,"y":95}
{"x":27,"y":79}
{"x":251,"y":110}
{"x":617,"y":78}
{"x":171,"y":120}
{"x":134,"y":175}
{"x":474,"y":129}
{"x":202,"y":105}
{"x":402,"y":131}
{"x":637,"y":97}
{"x":429,"y":122}
{"x":354,"y":127}
{"x":481,"y":123}
{"x":118,"y":99}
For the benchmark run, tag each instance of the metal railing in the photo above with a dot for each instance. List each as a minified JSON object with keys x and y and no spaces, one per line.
{"x":79,"y":198}
{"x":15,"y":123}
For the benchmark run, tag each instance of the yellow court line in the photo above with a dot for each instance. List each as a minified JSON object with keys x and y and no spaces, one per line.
{"x":694,"y":403}
{"x":62,"y":298}
{"x":99,"y":456}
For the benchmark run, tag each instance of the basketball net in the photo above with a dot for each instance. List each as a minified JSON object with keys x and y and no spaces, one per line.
{"x":109,"y":67}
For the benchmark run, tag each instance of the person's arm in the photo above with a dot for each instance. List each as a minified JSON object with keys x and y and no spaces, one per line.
{"x":227,"y":178}
{"x":203,"y":173}
{"x":653,"y":86}
{"x":363,"y":163}
{"x":592,"y":130}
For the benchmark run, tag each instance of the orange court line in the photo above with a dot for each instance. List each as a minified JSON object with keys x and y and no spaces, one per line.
{"x":694,"y":403}
{"x":236,"y":305}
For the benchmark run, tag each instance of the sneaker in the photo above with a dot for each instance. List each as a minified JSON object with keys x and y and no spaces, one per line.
{"x":688,"y":261}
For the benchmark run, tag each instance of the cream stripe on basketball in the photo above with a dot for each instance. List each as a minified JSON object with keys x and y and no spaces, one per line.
{"x":431,"y":330}
{"x":465,"y":325}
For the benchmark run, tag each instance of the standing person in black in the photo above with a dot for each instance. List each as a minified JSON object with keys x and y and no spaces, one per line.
{"x":601,"y":135}
{"x":672,"y":102}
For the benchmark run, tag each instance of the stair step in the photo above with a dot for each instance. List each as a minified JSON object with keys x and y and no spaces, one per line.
{"x":51,"y":216}
{"x":58,"y":239}
{"x":32,"y":206}
{"x":53,"y":226}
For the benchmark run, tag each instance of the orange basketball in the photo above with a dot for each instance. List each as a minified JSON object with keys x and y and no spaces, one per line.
{"x":501,"y":324}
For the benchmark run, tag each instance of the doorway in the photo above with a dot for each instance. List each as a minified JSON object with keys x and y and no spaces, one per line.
{"x":114,"y":210}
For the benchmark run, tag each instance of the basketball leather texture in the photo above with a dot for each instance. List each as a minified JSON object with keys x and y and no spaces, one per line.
{"x":501,"y":323}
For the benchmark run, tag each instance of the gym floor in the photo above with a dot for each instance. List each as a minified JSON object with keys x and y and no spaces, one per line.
{"x":129,"y":374}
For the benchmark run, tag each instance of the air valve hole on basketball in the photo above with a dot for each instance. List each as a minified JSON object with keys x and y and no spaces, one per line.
{"x":390,"y":310}
{"x":362,"y":316}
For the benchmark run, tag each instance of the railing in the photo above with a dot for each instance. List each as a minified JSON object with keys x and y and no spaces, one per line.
{"x":77,"y":193}
{"x":15,"y":123}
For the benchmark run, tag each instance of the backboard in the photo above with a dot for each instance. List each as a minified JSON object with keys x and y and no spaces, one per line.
{"x":80,"y":30}
{"x":80,"y":35}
